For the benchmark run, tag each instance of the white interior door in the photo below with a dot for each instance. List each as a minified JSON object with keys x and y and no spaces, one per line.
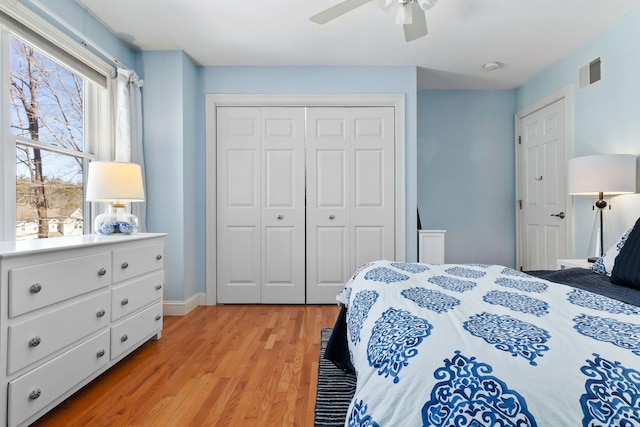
{"x":283,"y":210}
{"x":260,"y":205}
{"x":238,"y":200}
{"x":372,"y":185}
{"x":350,"y":195}
{"x":542,"y":187}
{"x":328,"y":195}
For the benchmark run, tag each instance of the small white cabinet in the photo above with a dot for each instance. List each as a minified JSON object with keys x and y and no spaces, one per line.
{"x":431,"y":246}
{"x":74,"y":307}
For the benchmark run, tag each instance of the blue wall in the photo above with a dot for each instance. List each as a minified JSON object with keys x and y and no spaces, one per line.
{"x":606,"y":115}
{"x":466,"y":175}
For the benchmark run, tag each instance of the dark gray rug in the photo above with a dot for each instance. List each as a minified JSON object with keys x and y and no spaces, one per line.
{"x":335,"y":390}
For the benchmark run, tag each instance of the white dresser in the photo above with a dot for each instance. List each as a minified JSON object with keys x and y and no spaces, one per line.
{"x":70,"y":308}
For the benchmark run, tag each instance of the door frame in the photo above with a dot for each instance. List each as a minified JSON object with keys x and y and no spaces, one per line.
{"x":566,"y":93}
{"x":296,"y":100}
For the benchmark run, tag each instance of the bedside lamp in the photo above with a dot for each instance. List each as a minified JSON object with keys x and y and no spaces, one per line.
{"x":116,"y":183}
{"x":598,"y":175}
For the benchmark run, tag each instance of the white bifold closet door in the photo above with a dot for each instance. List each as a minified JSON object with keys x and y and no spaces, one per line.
{"x":260,"y":205}
{"x":350,"y":195}
{"x":273,"y":245}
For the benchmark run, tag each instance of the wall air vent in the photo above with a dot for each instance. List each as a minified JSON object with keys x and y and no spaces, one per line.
{"x":589,"y":74}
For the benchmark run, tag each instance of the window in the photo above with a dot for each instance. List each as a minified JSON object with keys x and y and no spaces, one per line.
{"x":54,"y":114}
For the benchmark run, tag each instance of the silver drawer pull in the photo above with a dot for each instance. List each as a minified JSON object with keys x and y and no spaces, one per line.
{"x":35,"y":288}
{"x":280,"y":217}
{"x":101,"y":312}
{"x":100,"y":353}
{"x":158,"y":317}
{"x":332,"y":217}
{"x":159,"y":257}
{"x":158,"y":287}
{"x":124,"y":338}
{"x":102,"y":272}
{"x":124,"y":301}
{"x":125,"y":265}
{"x":35,"y":393}
{"x":34,"y":342}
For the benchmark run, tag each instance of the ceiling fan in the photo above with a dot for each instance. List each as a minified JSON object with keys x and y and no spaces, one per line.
{"x":409,"y":13}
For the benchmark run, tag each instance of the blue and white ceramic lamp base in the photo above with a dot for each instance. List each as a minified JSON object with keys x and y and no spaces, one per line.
{"x":116,"y":220}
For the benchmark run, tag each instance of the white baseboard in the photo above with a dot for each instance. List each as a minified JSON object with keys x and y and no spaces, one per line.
{"x":182,"y":308}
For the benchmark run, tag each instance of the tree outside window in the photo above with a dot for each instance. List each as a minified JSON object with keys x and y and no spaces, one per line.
{"x":47,"y":118}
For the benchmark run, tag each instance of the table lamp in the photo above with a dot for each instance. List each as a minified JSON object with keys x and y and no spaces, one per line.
{"x":116,"y":183}
{"x":600,"y":175}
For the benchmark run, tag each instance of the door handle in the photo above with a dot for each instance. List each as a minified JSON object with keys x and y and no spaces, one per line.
{"x":559,"y":215}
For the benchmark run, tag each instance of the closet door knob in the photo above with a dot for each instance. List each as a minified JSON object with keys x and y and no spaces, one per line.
{"x":35,"y":288}
{"x":332,"y":217}
{"x":280,"y":216}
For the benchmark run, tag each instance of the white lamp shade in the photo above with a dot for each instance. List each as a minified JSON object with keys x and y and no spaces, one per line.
{"x":606,"y":173}
{"x":114,"y":181}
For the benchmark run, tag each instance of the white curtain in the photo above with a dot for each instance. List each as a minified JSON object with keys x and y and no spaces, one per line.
{"x":129,"y":131}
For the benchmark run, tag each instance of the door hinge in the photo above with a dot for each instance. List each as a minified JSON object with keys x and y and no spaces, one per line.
{"x":519,"y":139}
{"x":520,"y":203}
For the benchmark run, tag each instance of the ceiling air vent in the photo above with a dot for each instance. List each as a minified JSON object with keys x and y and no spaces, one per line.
{"x":589,"y":74}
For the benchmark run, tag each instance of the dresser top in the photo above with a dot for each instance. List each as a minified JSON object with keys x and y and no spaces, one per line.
{"x":21,"y":247}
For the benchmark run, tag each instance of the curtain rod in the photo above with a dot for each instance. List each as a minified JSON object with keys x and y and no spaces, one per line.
{"x":84,"y":41}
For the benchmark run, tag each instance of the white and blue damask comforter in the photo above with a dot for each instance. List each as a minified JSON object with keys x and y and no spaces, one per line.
{"x":486,"y":345}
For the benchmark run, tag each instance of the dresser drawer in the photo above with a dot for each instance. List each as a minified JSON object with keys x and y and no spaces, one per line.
{"x":37,"y":286}
{"x":128,"y":334}
{"x":136,"y":294}
{"x":132,"y":262}
{"x":33,"y":391}
{"x":40,"y":336}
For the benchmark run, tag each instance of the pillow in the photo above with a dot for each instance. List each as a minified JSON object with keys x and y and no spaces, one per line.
{"x":604,"y":264}
{"x":626,"y":270}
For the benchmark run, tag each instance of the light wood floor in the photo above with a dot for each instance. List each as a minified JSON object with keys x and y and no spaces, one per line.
{"x":228,"y":365}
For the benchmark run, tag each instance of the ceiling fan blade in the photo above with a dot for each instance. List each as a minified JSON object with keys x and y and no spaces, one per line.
{"x":337,"y":10}
{"x":418,"y":26}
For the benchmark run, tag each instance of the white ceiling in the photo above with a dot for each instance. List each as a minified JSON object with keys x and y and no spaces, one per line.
{"x":526,"y":35}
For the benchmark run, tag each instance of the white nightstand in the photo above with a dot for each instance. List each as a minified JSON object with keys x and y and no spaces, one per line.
{"x":563,"y":264}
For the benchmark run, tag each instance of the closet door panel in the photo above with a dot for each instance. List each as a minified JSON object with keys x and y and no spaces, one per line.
{"x":328,"y":195}
{"x":331,"y":259}
{"x":238,"y":200}
{"x":372,"y":177}
{"x":368,"y":244}
{"x":283,"y":210}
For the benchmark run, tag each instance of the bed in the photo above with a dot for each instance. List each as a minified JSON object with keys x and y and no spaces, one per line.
{"x":487,"y":345}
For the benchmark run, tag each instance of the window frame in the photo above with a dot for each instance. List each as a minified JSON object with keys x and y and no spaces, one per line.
{"x":18,"y":21}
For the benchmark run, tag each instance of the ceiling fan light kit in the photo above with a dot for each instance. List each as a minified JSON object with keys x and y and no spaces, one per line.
{"x":408,"y":13}
{"x":403,"y":14}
